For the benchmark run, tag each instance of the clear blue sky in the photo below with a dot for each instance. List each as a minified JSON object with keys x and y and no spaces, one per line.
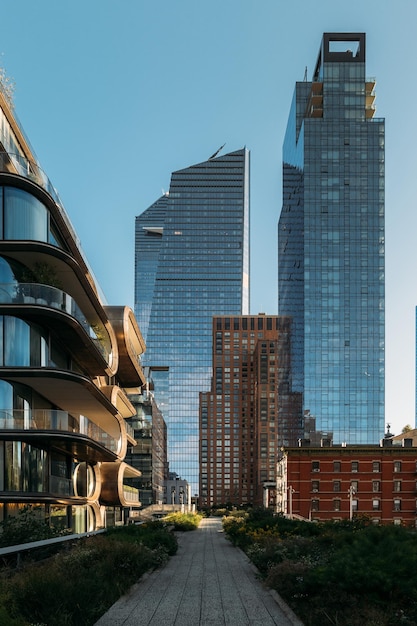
{"x":114,"y":96}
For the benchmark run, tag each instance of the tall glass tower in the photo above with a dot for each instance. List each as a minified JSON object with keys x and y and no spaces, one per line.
{"x":331,"y":243}
{"x":191,"y":262}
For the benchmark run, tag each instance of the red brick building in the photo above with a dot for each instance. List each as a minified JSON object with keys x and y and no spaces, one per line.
{"x":338,"y":482}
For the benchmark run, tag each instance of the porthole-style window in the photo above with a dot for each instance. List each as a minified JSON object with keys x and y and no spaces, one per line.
{"x":84,"y":480}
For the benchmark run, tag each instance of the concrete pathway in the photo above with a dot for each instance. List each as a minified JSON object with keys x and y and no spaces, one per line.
{"x":208,"y":581}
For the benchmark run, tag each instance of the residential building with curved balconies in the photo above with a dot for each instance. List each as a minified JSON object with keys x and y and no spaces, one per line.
{"x":68,"y":362}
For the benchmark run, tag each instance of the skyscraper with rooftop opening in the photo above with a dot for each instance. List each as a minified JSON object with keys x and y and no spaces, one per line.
{"x":331,"y":243}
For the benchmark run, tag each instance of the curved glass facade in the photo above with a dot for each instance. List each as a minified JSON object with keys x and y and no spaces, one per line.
{"x":24,"y":217}
{"x":23,"y":344}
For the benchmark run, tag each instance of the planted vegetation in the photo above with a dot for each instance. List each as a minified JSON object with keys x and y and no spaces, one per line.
{"x":183,"y":521}
{"x":340,"y":573}
{"x":78,"y":585}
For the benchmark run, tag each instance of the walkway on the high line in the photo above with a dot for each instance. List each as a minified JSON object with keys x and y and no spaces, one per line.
{"x":208,"y":581}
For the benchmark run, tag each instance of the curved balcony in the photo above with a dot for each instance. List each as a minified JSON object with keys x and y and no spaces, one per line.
{"x":17,"y":164}
{"x":130,"y":343}
{"x":114,"y":490}
{"x":45,"y":295}
{"x":53,"y":421}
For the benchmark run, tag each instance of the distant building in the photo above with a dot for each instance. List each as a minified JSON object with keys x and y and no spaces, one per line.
{"x":149,"y":455}
{"x":331,"y":243}
{"x":177,"y":492}
{"x":191,"y":262}
{"x":67,"y":360}
{"x":250,"y":412}
{"x":340,"y":482}
{"x":415,"y":372}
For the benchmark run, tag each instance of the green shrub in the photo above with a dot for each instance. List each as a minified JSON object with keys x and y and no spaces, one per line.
{"x":75,"y":587}
{"x":183,"y":521}
{"x":236,"y":530}
{"x":151,"y":534}
{"x":346,"y":574}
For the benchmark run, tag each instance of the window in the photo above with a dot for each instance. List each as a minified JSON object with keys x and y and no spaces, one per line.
{"x":315,"y":485}
{"x":397,"y":466}
{"x":355,"y":505}
{"x":25,"y":217}
{"x":354,"y":484}
{"x":376,"y":485}
{"x":336,"y":466}
{"x":336,"y":485}
{"x":355,"y":466}
{"x":375,"y":505}
{"x":336,"y":505}
{"x":397,"y":485}
{"x":315,"y":466}
{"x":397,"y":504}
{"x":315,"y":505}
{"x":376,"y":466}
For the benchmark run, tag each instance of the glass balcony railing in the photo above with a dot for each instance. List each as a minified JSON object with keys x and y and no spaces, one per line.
{"x":35,"y":293}
{"x":16,"y":163}
{"x":134,"y":352}
{"x":131,"y":494}
{"x":56,"y":420}
{"x":129,"y":430}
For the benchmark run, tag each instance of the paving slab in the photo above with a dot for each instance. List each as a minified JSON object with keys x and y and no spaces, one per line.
{"x":208,"y":581}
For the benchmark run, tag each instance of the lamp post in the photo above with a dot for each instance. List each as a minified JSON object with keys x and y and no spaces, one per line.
{"x":351,"y":493}
{"x":291,"y":490}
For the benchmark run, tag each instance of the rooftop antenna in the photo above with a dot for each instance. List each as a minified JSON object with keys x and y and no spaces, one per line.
{"x":217,"y":152}
{"x":305,"y":74}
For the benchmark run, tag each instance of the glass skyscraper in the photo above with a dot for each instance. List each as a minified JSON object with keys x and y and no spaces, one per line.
{"x":191,"y":262}
{"x":331,"y":243}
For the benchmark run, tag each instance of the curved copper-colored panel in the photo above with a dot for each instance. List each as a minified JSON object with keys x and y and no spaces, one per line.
{"x":130,"y":345}
{"x":113,"y":490}
{"x":119,"y":399}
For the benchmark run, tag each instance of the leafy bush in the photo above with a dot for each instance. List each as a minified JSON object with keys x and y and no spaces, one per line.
{"x":75,"y":587}
{"x":151,"y":534}
{"x":346,"y":574}
{"x":236,"y":530}
{"x":183,"y":521}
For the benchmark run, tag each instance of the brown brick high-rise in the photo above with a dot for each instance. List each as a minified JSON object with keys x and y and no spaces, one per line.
{"x":250,"y":412}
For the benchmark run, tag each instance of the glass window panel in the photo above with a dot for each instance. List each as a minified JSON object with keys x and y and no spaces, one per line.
{"x":16,"y":342}
{"x":25,"y":217}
